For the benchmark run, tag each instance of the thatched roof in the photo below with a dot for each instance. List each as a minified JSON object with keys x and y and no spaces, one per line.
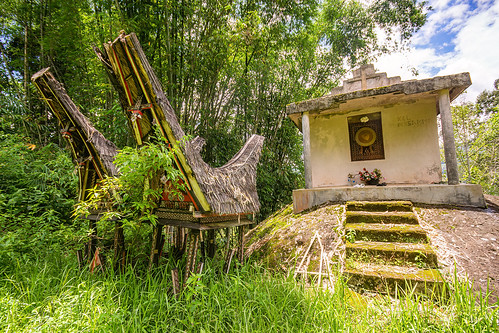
{"x":91,"y":150}
{"x":230,"y":189}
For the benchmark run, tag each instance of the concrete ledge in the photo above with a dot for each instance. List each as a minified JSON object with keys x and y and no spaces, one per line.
{"x":456,"y":84}
{"x":460,"y":195}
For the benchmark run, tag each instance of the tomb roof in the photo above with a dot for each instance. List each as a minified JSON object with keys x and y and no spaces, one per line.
{"x":368,"y":88}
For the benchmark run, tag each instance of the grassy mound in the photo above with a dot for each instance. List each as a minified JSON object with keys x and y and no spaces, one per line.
{"x":282,"y":239}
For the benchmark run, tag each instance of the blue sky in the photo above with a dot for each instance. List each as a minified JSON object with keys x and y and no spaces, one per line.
{"x":459,"y":36}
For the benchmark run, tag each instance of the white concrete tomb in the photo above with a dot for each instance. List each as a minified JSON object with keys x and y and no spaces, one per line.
{"x":375,"y":121}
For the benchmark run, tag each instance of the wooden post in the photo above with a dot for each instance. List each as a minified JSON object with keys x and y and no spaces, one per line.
{"x":79,"y":257}
{"x":228,"y":260}
{"x":193,"y":241}
{"x":92,"y":242}
{"x":227,"y":235}
{"x":184,"y":242}
{"x":200,"y":267}
{"x":448,"y":136}
{"x":179,"y":239}
{"x":202,"y":244}
{"x":240,"y":254}
{"x":119,"y":245}
{"x":307,"y":154}
{"x":211,"y":243}
{"x":157,"y":243}
{"x":194,"y":250}
{"x":176,"y":285}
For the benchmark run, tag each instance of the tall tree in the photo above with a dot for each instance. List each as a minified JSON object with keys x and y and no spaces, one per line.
{"x":488,"y":100}
{"x":476,"y":129}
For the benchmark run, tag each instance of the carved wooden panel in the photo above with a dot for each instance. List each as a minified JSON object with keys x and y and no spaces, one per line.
{"x":366,"y":137}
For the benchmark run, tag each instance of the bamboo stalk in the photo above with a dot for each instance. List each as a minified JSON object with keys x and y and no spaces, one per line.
{"x":305,"y":255}
{"x":319,"y":282}
{"x":313,"y":273}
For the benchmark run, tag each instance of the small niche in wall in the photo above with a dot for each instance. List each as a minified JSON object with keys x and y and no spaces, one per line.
{"x":366,"y":137}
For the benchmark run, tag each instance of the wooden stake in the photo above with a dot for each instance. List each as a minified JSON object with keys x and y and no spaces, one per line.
{"x":156,"y":245}
{"x":305,"y":255}
{"x":228,"y":260}
{"x":240,"y":255}
{"x":92,"y":242}
{"x":176,"y":285}
{"x":203,"y":246}
{"x":196,"y":236}
{"x":323,"y":261}
{"x":211,"y":243}
{"x":79,"y":257}
{"x":319,"y":283}
{"x":329,"y":274}
{"x":227,"y":234}
{"x":200,"y":268}
{"x":119,"y":245}
{"x":193,"y":241}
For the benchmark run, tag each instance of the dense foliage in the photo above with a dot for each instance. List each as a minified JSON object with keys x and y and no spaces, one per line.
{"x":476,"y":130}
{"x":37,"y":194}
{"x":229,"y":67}
{"x":132,"y":197}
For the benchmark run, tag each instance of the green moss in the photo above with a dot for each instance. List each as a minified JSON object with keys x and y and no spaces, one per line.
{"x":388,"y":233}
{"x":414,"y":259}
{"x":381,"y":217}
{"x":272,"y":224}
{"x":379,"y":206}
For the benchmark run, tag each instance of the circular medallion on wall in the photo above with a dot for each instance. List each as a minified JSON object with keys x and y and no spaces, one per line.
{"x":365,"y":136}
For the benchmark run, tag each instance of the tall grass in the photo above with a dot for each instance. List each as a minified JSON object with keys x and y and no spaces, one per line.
{"x":53,"y":295}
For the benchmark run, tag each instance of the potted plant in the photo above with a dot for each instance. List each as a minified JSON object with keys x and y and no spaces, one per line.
{"x":370,"y":178}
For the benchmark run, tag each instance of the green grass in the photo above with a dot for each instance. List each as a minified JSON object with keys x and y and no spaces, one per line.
{"x":50,"y":294}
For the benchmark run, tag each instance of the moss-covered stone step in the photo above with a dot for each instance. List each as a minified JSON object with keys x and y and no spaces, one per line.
{"x":381,"y":217}
{"x":379,"y":206}
{"x":401,"y":233}
{"x":388,"y":279}
{"x":414,"y":254}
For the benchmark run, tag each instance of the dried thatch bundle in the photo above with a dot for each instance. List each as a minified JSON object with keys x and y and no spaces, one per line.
{"x":230,"y":189}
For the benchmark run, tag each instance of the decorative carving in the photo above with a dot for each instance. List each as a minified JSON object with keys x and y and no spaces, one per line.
{"x":366,"y":137}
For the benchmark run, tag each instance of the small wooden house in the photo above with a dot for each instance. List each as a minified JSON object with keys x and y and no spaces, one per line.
{"x":215,"y":198}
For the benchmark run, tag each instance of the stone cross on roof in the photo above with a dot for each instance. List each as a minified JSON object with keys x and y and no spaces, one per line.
{"x":365,"y":78}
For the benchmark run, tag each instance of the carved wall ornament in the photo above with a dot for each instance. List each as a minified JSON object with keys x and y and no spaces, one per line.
{"x":366,"y":137}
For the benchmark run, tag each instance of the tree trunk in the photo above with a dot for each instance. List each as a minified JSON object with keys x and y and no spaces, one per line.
{"x":26,"y":74}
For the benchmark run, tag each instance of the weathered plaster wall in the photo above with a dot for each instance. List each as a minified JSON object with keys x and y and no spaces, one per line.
{"x":410,"y":136}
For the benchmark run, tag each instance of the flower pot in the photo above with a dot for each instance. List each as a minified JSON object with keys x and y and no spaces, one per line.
{"x":372,"y":182}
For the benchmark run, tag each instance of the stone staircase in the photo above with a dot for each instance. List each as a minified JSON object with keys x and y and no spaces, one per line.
{"x":387,"y":251}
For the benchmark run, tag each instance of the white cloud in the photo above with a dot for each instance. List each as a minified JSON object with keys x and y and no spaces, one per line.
{"x":477,"y":50}
{"x":406,"y":64}
{"x":447,"y":19}
{"x":476,"y":44}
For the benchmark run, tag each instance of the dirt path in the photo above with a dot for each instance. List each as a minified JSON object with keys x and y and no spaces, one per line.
{"x":471,"y":238}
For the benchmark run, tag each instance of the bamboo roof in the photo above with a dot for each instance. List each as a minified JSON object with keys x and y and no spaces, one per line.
{"x":230,"y":189}
{"x":92,"y":152}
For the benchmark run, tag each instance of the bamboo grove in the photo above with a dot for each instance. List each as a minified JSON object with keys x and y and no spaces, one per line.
{"x":229,"y":67}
